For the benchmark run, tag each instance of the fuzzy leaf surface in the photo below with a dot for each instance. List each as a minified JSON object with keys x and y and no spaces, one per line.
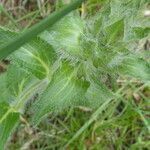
{"x":8,"y":120}
{"x":65,"y":36}
{"x":63,"y":91}
{"x":37,"y":57}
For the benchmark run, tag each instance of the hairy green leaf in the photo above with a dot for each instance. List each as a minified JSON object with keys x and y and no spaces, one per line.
{"x":31,"y":33}
{"x":132,"y":12}
{"x":65,"y":36}
{"x":97,"y":93}
{"x":136,"y":67}
{"x":8,"y":120}
{"x":76,"y":62}
{"x":4,"y":96}
{"x":37,"y":57}
{"x":63,"y":91}
{"x":17,"y":80}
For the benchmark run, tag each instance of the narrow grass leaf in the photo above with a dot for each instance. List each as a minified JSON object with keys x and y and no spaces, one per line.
{"x":31,"y":33}
{"x":89,"y":122}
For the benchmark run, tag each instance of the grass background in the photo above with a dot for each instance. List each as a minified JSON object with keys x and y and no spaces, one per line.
{"x":124,"y":123}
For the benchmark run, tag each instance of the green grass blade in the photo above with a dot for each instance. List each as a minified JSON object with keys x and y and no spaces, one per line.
{"x":94,"y":116}
{"x":23,"y":38}
{"x":89,"y":122}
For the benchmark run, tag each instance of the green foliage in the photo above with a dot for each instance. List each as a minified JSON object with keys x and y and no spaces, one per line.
{"x":3,"y":88}
{"x":24,"y":37}
{"x":8,"y":119}
{"x":67,"y":33}
{"x":73,"y":63}
{"x":63,"y":91}
{"x":37,"y":58}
